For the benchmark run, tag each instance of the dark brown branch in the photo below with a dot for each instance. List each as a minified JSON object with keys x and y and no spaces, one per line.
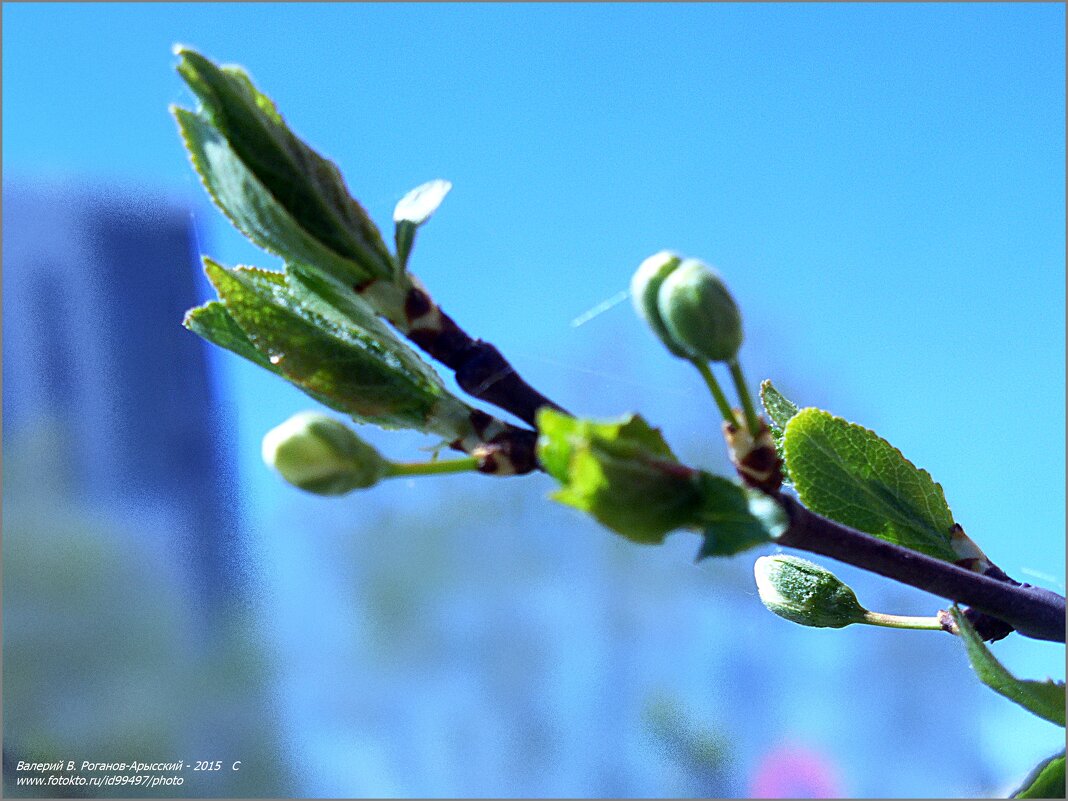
{"x":1032,"y":611}
{"x":511,"y":451}
{"x":481,"y":370}
{"x":988,"y":627}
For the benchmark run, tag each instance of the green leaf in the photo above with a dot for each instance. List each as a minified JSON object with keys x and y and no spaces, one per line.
{"x":312,"y":340}
{"x":312,"y":288}
{"x":1045,"y":781}
{"x":624,"y":474}
{"x":620,"y":472}
{"x":1044,"y":698}
{"x":238,"y":125}
{"x":251,"y":207}
{"x":848,"y":473}
{"x":778,"y":408}
{"x":735,"y":520}
{"x":779,"y":411}
{"x":212,"y":322}
{"x":562,"y":434}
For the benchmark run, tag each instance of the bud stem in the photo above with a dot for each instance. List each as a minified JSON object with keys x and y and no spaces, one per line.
{"x":432,"y":468}
{"x":901,"y":621}
{"x":717,"y":393}
{"x":751,"y":419}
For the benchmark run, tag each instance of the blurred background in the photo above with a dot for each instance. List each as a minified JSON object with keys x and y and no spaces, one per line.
{"x":883,"y":188}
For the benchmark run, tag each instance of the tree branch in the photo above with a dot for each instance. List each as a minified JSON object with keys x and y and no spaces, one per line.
{"x":997,"y":602}
{"x":502,"y":448}
{"x":481,"y":370}
{"x":1033,"y":611}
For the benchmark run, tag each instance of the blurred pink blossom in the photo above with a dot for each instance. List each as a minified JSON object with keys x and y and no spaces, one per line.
{"x":795,"y":771}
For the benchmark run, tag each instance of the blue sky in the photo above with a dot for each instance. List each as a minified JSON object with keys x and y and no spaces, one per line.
{"x":881,"y":185}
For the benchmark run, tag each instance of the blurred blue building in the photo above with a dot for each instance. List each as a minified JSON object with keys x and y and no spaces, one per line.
{"x":95,"y":284}
{"x":126,"y":630}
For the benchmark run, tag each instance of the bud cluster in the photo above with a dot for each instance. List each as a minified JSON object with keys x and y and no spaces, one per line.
{"x":688,"y":307}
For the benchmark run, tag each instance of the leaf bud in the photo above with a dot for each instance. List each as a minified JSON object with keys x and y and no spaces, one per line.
{"x":699,"y":314}
{"x":805,"y":593}
{"x":322,"y":455}
{"x":421,"y":202}
{"x":621,"y":472}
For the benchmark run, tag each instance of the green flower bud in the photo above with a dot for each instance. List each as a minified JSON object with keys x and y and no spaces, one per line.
{"x":699,"y":314}
{"x":319,"y":454}
{"x":645,"y":292}
{"x":805,"y":593}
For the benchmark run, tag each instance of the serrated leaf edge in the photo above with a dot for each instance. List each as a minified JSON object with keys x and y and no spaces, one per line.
{"x":279,"y":133}
{"x":201,"y":170}
{"x":922,"y":471}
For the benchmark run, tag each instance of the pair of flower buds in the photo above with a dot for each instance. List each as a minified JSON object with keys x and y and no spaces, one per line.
{"x":687,"y":305}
